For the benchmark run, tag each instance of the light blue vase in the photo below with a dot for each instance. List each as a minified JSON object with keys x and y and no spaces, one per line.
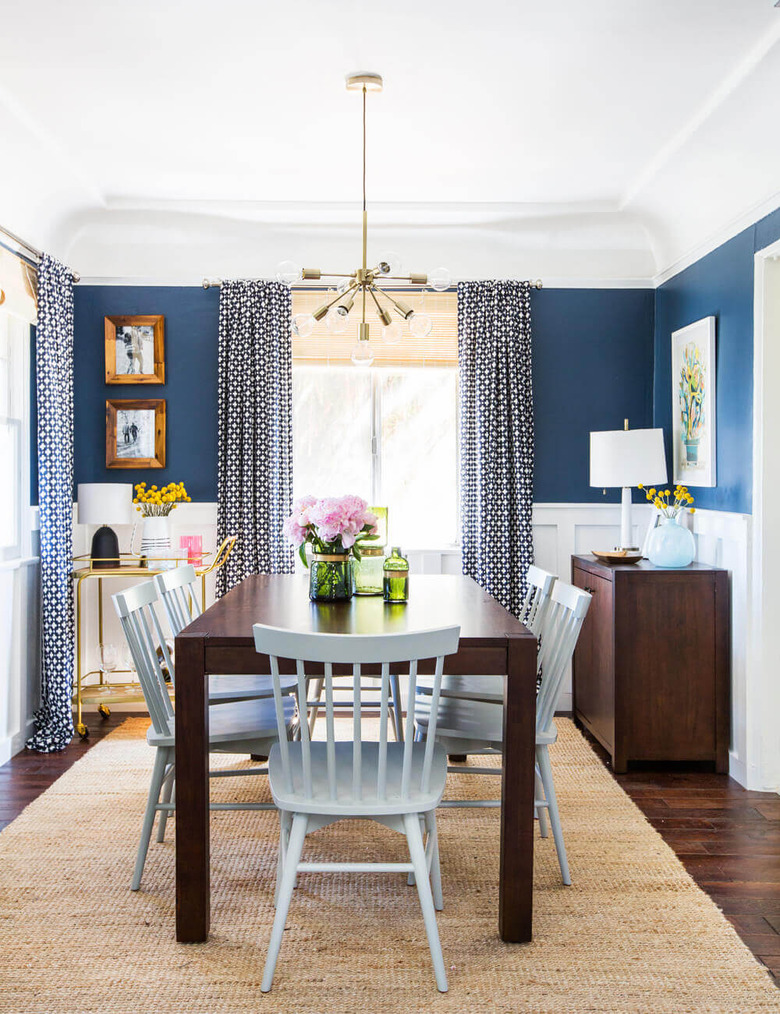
{"x":671,"y":545}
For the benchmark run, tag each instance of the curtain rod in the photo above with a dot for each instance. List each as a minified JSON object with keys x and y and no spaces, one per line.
{"x":35,"y":253}
{"x":215,"y":283}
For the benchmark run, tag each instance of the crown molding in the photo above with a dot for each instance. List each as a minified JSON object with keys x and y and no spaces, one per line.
{"x":733,"y":228}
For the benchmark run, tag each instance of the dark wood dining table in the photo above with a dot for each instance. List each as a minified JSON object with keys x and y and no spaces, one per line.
{"x":492,"y":642}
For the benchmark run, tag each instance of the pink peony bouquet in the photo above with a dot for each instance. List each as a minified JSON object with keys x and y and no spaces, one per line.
{"x":334,"y":524}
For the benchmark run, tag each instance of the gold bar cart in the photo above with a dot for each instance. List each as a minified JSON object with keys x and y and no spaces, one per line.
{"x":129,"y":692}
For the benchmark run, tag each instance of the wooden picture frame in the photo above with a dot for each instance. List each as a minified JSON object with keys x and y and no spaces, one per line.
{"x":135,"y":349}
{"x":135,"y":433}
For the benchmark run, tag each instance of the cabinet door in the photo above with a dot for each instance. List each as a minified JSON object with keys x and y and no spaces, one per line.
{"x":594,"y":663}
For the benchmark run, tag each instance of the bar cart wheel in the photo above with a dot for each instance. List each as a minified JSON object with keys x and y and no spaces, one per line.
{"x":103,"y":710}
{"x":82,"y":730}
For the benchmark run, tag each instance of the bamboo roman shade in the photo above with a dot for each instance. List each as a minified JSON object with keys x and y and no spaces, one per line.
{"x":439,"y":348}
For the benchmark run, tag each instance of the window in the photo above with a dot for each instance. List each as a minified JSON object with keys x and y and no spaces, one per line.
{"x":388,"y":432}
{"x":14,"y":399}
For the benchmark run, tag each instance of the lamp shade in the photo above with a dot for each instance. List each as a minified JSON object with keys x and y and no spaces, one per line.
{"x":105,"y":503}
{"x":627,"y":457}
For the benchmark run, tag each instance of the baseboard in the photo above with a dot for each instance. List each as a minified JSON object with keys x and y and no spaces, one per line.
{"x":737,"y":769}
{"x":10,"y":746}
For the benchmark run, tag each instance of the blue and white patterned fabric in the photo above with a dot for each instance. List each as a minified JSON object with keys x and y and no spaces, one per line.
{"x":54,"y":372}
{"x":497,"y":436}
{"x":254,"y":482}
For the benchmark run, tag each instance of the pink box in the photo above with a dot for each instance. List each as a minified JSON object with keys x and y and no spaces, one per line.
{"x":194,"y":546}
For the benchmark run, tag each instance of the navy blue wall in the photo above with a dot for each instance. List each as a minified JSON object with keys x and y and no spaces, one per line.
{"x":593,"y":366}
{"x":190,"y":389}
{"x":720,"y":285}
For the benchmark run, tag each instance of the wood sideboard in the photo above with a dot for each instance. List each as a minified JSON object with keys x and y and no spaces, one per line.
{"x":652,"y":669}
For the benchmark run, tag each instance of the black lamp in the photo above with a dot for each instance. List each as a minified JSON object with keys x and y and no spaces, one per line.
{"x":104,"y":504}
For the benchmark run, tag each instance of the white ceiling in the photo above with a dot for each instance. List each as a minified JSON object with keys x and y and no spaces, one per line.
{"x":601,"y":138}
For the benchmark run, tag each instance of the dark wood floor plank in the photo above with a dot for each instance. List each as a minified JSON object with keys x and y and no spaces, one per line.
{"x":740,"y":834}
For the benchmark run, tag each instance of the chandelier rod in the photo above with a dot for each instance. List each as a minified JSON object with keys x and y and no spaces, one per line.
{"x":365,"y":218}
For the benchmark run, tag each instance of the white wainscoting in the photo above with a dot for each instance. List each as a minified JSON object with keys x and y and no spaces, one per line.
{"x":724,"y":540}
{"x":19,"y":657}
{"x":560,"y":531}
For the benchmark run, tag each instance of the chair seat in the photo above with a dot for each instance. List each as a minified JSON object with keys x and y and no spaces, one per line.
{"x":476,"y":722}
{"x":346,"y":804}
{"x":467,"y":688}
{"x":239,"y":722}
{"x":240,"y":688}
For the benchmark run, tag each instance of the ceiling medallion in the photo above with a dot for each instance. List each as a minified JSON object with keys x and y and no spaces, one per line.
{"x":363,"y":284}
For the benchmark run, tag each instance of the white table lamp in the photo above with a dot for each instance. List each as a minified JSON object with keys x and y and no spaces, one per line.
{"x":625,"y":458}
{"x":104,"y":504}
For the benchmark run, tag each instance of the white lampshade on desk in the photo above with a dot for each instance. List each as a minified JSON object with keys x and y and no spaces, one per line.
{"x":104,"y":504}
{"x":627,"y":458}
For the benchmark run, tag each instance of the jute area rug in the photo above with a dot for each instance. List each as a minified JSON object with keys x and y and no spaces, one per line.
{"x":634,"y":933}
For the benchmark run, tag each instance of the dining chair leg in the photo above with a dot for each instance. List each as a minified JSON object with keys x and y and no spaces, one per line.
{"x":291,"y":860}
{"x":541,"y":811}
{"x":545,"y":769}
{"x":432,"y":847}
{"x":161,"y":759}
{"x":284,"y":840}
{"x":167,"y":797}
{"x":397,"y":711}
{"x":417,"y":855}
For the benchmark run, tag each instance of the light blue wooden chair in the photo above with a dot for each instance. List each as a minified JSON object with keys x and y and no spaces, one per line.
{"x":398,"y":784}
{"x":246,"y":727}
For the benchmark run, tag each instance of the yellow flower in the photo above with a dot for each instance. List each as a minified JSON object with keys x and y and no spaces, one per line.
{"x":652,"y":492}
{"x":693,"y":510}
{"x":640,"y":486}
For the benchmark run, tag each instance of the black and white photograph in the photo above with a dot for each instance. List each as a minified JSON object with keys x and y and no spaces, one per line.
{"x":135,"y":349}
{"x":135,"y":433}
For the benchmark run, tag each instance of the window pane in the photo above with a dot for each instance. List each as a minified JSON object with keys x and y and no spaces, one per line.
{"x":9,"y":468}
{"x":420,"y":455}
{"x":332,"y":431}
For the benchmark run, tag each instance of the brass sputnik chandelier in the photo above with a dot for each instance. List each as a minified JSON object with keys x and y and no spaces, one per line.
{"x":363,"y":283}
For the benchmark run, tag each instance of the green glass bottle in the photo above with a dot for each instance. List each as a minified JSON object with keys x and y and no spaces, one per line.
{"x":396,"y":579}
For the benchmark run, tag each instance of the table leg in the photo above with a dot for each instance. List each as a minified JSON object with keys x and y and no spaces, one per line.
{"x":515,"y":901}
{"x":193,"y":890}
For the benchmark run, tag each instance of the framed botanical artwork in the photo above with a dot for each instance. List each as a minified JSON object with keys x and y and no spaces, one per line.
{"x":694,"y":404}
{"x":135,"y":349}
{"x":135,"y":433}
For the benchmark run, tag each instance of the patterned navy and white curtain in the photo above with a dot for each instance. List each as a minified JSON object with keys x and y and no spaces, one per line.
{"x":54,"y":373}
{"x":497,"y":436}
{"x":255,"y":428}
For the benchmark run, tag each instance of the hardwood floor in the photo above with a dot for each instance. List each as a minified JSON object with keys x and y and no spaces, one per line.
{"x":727,"y":838}
{"x":29,"y":774}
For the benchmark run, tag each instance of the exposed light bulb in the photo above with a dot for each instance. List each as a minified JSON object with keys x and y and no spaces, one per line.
{"x":336,"y":320}
{"x":362,"y":353}
{"x":392,"y":333}
{"x":302,"y":325}
{"x":440,"y":279}
{"x":288,"y":272}
{"x":390,"y":263}
{"x":420,"y":324}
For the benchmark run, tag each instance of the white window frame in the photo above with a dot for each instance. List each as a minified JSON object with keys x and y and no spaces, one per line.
{"x":19,"y":381}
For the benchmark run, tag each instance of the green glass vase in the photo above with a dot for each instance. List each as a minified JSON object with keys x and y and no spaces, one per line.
{"x":396,"y":577}
{"x":368,"y":570}
{"x":330,"y":577}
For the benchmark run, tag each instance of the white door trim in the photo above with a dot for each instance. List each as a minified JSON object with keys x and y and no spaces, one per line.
{"x":763,"y":684}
